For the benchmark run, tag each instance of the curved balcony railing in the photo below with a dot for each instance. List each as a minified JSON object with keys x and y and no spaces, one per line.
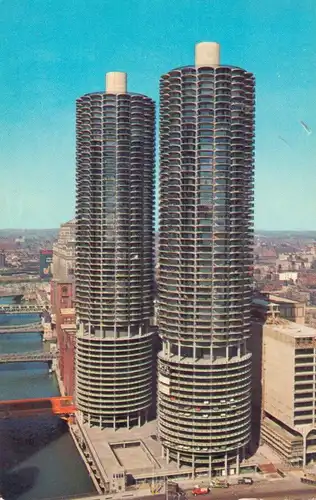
{"x":205,"y":275}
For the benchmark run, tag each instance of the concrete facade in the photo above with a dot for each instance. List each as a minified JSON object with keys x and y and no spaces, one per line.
{"x":278,"y":401}
{"x":288,"y":386}
{"x":2,"y":259}
{"x":64,"y":252}
{"x":205,"y":262}
{"x":292,"y":310}
{"x":114,"y":255}
{"x":267,"y":305}
{"x":288,"y":276}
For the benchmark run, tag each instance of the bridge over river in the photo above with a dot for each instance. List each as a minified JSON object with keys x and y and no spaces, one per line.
{"x":21,"y":309}
{"x":38,"y":406}
{"x":27,"y":357}
{"x":27,"y":328}
{"x":11,"y":294}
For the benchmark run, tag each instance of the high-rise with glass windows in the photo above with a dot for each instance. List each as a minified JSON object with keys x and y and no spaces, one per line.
{"x":206,"y":261}
{"x":114,"y":260}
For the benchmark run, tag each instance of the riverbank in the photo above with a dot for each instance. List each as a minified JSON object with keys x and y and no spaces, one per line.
{"x":38,"y":458}
{"x":81,"y":444}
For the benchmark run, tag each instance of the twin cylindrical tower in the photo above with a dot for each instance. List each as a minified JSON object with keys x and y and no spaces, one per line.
{"x":205,"y":258}
{"x":114,"y":259}
{"x":205,"y":252}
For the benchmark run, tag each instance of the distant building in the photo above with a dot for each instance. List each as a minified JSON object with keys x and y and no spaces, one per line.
{"x":266,"y":255}
{"x":64,"y":252}
{"x":307,"y":278}
{"x":288,"y":276}
{"x":46,"y":259}
{"x":264,"y":304}
{"x":272,"y":286}
{"x":20,"y":239}
{"x":283,"y":257}
{"x":283,"y":265}
{"x":284,"y":387}
{"x":2,"y":259}
{"x":7,"y":244}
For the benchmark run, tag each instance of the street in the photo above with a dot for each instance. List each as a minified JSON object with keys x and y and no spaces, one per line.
{"x":288,"y":488}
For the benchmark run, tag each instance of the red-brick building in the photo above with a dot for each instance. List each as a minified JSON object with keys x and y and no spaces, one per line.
{"x":62,"y":301}
{"x":67,"y":345}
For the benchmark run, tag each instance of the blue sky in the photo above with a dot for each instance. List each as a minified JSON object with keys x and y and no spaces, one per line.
{"x":53,"y":51}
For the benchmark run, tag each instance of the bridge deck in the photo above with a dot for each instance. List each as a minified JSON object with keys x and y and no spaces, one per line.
{"x":26,"y":407}
{"x":27,"y":328}
{"x":20,"y":309}
{"x":11,"y":294}
{"x":26,"y":357}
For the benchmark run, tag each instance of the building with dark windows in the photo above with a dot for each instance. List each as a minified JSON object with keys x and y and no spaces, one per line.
{"x":2,"y":259}
{"x":62,"y":304}
{"x":206,"y":262}
{"x":45,"y":264}
{"x":64,"y":251}
{"x":114,"y":258}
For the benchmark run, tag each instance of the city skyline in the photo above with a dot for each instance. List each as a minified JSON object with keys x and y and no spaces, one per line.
{"x":51,"y":55}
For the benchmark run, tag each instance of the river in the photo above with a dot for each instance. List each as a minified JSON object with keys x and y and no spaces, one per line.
{"x":38,"y":459}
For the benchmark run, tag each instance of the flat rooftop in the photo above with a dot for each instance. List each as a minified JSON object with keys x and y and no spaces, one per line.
{"x":260,"y":302}
{"x":137,"y":450}
{"x":276,"y":298}
{"x":68,"y":310}
{"x":293,"y":330}
{"x":132,"y":453}
{"x":142,"y":454}
{"x":69,"y":326}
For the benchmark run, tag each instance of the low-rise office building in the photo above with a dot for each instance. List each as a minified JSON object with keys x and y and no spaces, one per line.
{"x":284,"y":379}
{"x":266,"y":304}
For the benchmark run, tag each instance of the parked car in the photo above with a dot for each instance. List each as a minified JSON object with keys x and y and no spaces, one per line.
{"x":309,"y":478}
{"x":219,"y":483}
{"x":245,"y":480}
{"x":197,"y":490}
